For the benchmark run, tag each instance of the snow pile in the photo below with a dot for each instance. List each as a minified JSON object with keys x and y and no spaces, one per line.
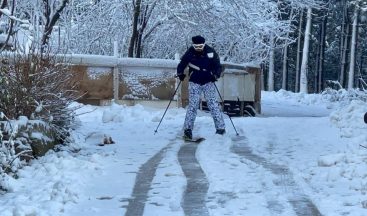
{"x":306,"y":99}
{"x":340,"y":98}
{"x":47,"y":184}
{"x":330,"y":97}
{"x":350,"y":120}
{"x":344,"y":173}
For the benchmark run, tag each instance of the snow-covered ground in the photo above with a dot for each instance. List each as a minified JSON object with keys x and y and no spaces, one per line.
{"x":317,"y":145}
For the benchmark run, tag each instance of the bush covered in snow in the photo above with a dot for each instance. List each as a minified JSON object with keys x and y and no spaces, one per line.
{"x":9,"y":158}
{"x":344,"y":96}
{"x":38,"y":87}
{"x":35,"y":94}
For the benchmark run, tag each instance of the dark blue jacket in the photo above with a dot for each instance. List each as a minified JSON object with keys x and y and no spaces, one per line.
{"x":202,"y":65}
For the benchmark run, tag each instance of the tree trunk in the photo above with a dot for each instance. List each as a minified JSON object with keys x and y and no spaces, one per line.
{"x":271,"y":65}
{"x":322,"y":54}
{"x":138,"y":46}
{"x":316,"y":72}
{"x":344,"y":45}
{"x":353,"y":50}
{"x":296,"y":89}
{"x":51,"y":20}
{"x":285,"y":61}
{"x":134,"y":34}
{"x":285,"y":68}
{"x":142,"y":16}
{"x":263,"y":68}
{"x":306,"y":44}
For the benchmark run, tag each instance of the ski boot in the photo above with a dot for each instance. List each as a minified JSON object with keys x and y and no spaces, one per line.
{"x":187,"y":134}
{"x":221,"y":131}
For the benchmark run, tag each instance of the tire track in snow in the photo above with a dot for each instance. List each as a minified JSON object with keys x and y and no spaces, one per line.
{"x":143,"y":183}
{"x":194,"y":198}
{"x":302,"y":205}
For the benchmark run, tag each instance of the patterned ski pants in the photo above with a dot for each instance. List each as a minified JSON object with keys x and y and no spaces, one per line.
{"x":195,"y":91}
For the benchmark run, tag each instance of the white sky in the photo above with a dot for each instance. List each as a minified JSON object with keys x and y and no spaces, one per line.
{"x":315,"y":143}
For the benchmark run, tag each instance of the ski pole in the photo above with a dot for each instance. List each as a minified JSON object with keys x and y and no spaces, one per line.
{"x":223,"y":106}
{"x":156,"y":130}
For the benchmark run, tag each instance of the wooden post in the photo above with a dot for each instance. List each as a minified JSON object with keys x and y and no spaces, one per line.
{"x":116,"y":82}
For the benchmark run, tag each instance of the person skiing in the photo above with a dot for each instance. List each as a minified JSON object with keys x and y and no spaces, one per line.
{"x":204,"y":70}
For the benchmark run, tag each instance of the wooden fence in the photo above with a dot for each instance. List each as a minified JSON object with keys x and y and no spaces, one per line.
{"x":152,"y":81}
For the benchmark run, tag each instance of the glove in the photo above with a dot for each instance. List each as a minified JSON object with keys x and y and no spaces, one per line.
{"x":181,"y":77}
{"x":214,"y":78}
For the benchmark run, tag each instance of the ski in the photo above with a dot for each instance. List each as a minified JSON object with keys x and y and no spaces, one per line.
{"x":195,"y":140}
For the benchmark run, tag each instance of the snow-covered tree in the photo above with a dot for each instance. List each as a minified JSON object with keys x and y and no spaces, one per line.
{"x":250,"y":24}
{"x":52,"y":10}
{"x":271,"y":65}
{"x":304,"y":65}
{"x":358,"y":7}
{"x":309,"y":4}
{"x":353,"y":49}
{"x":8,"y":22}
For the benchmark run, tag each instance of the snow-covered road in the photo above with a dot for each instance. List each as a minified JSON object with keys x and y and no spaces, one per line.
{"x":294,"y":159}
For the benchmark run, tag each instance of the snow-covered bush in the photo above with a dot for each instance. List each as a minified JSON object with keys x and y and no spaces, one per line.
{"x":9,"y":157}
{"x":35,"y":94}
{"x":38,"y":87}
{"x":343,"y":96}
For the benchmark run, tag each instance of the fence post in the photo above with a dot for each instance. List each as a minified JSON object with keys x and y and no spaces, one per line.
{"x":116,"y":82}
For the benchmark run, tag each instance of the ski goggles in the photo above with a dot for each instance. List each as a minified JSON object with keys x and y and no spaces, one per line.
{"x":198,"y":46}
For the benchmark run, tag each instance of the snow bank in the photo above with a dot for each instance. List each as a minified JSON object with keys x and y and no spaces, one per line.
{"x":350,"y":121}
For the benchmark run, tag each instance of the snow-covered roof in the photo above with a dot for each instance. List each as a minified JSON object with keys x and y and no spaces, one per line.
{"x":247,"y":64}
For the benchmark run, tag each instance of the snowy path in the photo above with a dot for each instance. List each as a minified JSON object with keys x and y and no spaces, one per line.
{"x":301,"y":203}
{"x":193,"y":200}
{"x":224,"y":175}
{"x":194,"y":197}
{"x":290,"y":161}
{"x":143,"y":183}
